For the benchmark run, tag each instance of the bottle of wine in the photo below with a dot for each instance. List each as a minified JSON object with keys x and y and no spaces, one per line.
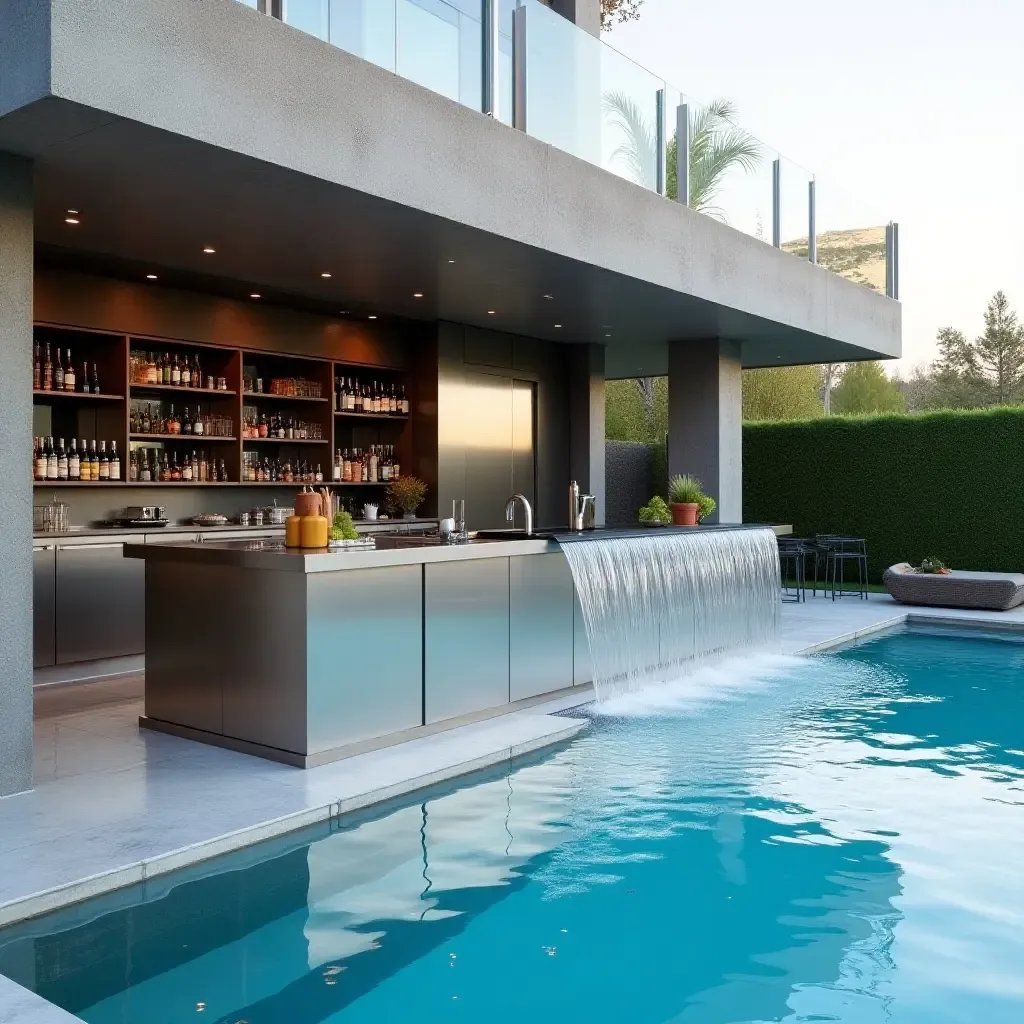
{"x":83,"y":380}
{"x":62,"y":460}
{"x":69,"y":374}
{"x":74,"y":462}
{"x":51,"y":460}
{"x":94,"y":462}
{"x":58,"y":373}
{"x":40,"y":459}
{"x":115,"y":462}
{"x":95,"y":380}
{"x":104,"y":462}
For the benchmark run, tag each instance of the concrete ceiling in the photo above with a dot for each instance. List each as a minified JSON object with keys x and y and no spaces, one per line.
{"x":149,"y":201}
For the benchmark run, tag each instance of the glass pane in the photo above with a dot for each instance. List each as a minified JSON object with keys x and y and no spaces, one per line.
{"x":851,"y":237}
{"x":308,"y":15}
{"x":249,"y":3}
{"x":629,"y":129}
{"x":365,"y":28}
{"x":795,"y":212}
{"x":428,"y":46}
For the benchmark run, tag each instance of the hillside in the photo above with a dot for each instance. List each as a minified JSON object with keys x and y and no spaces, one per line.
{"x":857,"y":254}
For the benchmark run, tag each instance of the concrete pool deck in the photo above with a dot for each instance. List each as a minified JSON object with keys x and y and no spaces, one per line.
{"x":114,"y":804}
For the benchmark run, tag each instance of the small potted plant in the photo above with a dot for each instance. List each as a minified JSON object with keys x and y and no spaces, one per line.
{"x":405,"y":495}
{"x":655,"y":512}
{"x":707,"y":506}
{"x":685,"y":495}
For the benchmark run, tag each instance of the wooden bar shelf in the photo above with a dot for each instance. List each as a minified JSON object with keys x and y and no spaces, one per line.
{"x":179,"y":390}
{"x":199,"y":438}
{"x":398,"y":417}
{"x":283,"y":440}
{"x":266,"y":395}
{"x":82,"y":396}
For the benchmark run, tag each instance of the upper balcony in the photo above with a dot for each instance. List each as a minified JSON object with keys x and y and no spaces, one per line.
{"x":360,"y":125}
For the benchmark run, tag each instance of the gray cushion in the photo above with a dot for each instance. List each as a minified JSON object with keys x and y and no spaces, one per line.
{"x":993,"y":591}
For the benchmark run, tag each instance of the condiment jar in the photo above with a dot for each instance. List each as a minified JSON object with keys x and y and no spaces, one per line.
{"x":293,"y":531}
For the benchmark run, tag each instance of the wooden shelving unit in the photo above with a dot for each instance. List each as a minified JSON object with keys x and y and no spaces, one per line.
{"x":106,"y":416}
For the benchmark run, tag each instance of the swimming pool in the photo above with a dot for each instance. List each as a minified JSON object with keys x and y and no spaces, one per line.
{"x":834,"y":839}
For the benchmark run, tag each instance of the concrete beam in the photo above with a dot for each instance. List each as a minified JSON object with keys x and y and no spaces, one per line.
{"x":705,"y":420}
{"x":586,"y":424}
{"x":16,"y":245}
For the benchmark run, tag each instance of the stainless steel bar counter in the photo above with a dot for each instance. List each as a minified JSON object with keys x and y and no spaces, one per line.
{"x":309,"y":657}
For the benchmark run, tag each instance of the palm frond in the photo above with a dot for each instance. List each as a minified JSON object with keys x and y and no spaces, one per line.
{"x":638,"y":149}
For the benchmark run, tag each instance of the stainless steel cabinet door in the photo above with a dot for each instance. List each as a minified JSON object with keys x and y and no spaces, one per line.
{"x":100,"y":603}
{"x":44,"y":643}
{"x":541,"y":597}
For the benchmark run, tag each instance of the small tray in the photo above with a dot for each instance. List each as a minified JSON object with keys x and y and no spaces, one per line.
{"x":655,"y":522}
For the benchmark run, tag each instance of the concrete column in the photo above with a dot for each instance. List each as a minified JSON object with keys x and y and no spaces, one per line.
{"x":585,"y":13}
{"x":705,"y":420}
{"x":16,"y":245}
{"x":586,"y":425}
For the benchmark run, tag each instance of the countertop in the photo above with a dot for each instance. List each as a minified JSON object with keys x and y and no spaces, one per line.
{"x":114,"y":532}
{"x":389,"y":550}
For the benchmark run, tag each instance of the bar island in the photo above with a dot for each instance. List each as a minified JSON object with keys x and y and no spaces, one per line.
{"x":307,"y":657}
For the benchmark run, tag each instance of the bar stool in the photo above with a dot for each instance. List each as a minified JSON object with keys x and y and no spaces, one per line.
{"x":839,"y":552}
{"x":793,"y":564}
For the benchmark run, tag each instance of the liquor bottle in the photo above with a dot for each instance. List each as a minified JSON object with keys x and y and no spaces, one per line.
{"x":62,"y":460}
{"x":51,"y":460}
{"x":186,"y":422}
{"x":115,"y":462}
{"x":186,"y":373}
{"x":48,"y":370}
{"x":58,"y":373}
{"x":152,"y":369}
{"x":336,"y":468}
{"x":84,"y":465}
{"x":133,"y":466}
{"x":95,"y":380}
{"x":175,"y":372}
{"x":198,"y":426}
{"x":144,"y":472}
{"x":371,"y":470}
{"x":173,"y":423}
{"x":197,"y":373}
{"x":319,"y":476}
{"x":404,"y":406}
{"x":69,"y":374}
{"x":222,"y":473}
{"x":74,"y":462}
{"x":83,"y":380}
{"x":104,"y":462}
{"x":186,"y":469}
{"x":94,"y":463}
{"x":37,"y":369}
{"x":40,"y":467}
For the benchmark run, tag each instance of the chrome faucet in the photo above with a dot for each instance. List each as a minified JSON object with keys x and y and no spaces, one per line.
{"x":510,"y":511}
{"x":578,"y":507}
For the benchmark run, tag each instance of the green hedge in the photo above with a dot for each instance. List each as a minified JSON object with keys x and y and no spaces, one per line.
{"x":949,"y":484}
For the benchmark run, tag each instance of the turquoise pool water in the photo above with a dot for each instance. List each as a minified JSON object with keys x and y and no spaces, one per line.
{"x":838,"y":839}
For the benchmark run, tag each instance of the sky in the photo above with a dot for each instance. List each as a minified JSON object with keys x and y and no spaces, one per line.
{"x":905,"y":110}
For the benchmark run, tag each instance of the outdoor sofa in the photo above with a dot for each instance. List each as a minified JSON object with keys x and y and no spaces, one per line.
{"x":993,"y":591}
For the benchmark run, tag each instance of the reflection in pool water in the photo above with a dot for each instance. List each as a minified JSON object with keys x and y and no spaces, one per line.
{"x":832,"y":839}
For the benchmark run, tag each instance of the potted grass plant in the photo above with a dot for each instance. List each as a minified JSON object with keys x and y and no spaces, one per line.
{"x":405,"y":495}
{"x":685,"y":495}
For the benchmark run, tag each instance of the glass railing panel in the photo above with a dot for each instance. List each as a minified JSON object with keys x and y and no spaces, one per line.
{"x":794,"y":213}
{"x":365,"y":28}
{"x":586,"y":99}
{"x":312,"y":16}
{"x":730,"y":170}
{"x":851,"y":236}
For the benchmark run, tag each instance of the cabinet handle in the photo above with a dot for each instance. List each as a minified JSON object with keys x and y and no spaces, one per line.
{"x":88,"y":547}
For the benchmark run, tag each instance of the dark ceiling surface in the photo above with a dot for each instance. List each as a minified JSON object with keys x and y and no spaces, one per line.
{"x":149,"y":201}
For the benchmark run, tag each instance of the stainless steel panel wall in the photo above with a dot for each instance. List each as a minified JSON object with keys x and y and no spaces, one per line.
{"x":524,"y":433}
{"x":44,"y":609}
{"x":486,"y":406}
{"x":583,"y":667}
{"x":541,"y":640}
{"x":364,"y":643}
{"x":100,"y":603}
{"x":466,"y":655}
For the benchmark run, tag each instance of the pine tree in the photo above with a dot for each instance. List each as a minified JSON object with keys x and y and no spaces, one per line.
{"x":999,"y":352}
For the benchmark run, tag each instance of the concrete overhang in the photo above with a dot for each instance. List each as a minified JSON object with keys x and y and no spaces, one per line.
{"x":176,"y":124}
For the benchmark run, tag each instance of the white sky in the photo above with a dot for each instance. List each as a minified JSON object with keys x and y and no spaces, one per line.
{"x":906,"y":110}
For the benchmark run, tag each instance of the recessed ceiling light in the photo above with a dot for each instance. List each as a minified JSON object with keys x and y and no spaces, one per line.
{"x":490,"y":312}
{"x":72,"y":213}
{"x":72,"y":220}
{"x":558,"y":325}
{"x":342,"y":312}
{"x":255,"y":295}
{"x":209,"y":250}
{"x":151,"y":277}
{"x":607,"y":335}
{"x":451,"y":261}
{"x":417,"y":295}
{"x":549,"y":297}
{"x":372,"y":316}
{"x":326,"y":273}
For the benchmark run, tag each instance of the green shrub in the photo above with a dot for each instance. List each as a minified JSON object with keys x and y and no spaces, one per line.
{"x":946,"y":485}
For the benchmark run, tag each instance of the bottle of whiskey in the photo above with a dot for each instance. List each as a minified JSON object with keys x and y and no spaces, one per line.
{"x":48,"y":370}
{"x":39,"y":473}
{"x":62,"y":460}
{"x":95,"y":380}
{"x":51,"y":460}
{"x":115,"y":462}
{"x":74,"y":462}
{"x":37,"y":369}
{"x":94,"y":462}
{"x":69,"y":374}
{"x":58,"y":374}
{"x":104,"y":462}
{"x":83,"y":380}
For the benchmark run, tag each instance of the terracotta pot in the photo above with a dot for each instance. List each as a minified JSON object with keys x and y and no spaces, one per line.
{"x":685,"y":514}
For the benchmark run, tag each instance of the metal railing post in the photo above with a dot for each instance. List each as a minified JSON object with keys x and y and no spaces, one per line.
{"x":519,"y":68}
{"x":683,"y":154}
{"x":777,"y":203}
{"x":275,"y":8}
{"x":659,"y":142}
{"x":812,"y":222}
{"x":892,"y":260}
{"x":491,"y":100}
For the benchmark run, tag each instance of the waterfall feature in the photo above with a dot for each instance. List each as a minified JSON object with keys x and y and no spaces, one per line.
{"x":657,"y":607}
